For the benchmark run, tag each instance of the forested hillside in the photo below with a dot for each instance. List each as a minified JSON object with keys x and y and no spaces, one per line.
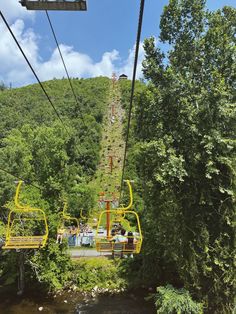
{"x":39,"y":147}
{"x":59,"y":157}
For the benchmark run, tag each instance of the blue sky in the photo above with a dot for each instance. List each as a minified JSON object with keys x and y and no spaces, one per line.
{"x":95,"y":42}
{"x":107,"y":25}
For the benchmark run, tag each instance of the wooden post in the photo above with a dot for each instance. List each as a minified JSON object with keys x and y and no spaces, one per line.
{"x":112,"y":110}
{"x":111,"y":163}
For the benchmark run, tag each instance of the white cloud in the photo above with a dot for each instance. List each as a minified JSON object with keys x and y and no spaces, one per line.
{"x":78,"y":64}
{"x":106,"y":65}
{"x":12,"y":10}
{"x":14,"y":69}
{"x":128,"y":64}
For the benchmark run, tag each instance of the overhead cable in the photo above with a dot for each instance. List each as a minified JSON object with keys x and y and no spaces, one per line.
{"x":67,"y":74}
{"x":19,"y":178}
{"x":29,"y":64}
{"x":140,"y":20}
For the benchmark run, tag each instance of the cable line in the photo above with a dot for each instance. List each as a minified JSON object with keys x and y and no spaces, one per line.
{"x":41,"y":85}
{"x":37,"y":78}
{"x":67,"y":73}
{"x":19,"y":178}
{"x":68,"y":77}
{"x":142,"y":2}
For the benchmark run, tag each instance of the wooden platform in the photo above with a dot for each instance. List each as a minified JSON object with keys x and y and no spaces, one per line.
{"x":55,"y":5}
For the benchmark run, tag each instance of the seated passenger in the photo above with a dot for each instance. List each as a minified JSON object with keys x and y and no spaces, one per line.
{"x":119,"y":242}
{"x":130,"y":247}
{"x":131,"y":239}
{"x":113,"y":232}
{"x":73,"y":233}
{"x":60,"y":233}
{"x":120,"y":238}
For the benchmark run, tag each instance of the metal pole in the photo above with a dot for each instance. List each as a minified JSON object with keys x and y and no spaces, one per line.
{"x":108,"y":217}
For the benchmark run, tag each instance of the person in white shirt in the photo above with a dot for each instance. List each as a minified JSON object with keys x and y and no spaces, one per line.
{"x":119,"y":241}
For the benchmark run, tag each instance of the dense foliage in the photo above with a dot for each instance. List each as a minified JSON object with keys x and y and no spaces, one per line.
{"x":170,"y":300}
{"x":184,"y":151}
{"x":181,"y":154}
{"x":102,"y":273}
{"x":59,"y":158}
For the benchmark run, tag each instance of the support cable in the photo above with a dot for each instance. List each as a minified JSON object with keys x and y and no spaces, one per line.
{"x":142,"y":2}
{"x":37,"y":78}
{"x":29,"y":64}
{"x":19,"y":178}
{"x":62,"y":59}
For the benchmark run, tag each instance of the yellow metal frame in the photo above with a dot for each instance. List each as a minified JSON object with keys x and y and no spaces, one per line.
{"x":103,"y":244}
{"x":24,"y":242}
{"x":82,"y":215}
{"x":130,"y":197}
{"x":68,"y":217}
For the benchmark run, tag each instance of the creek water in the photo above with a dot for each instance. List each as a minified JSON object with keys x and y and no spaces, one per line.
{"x":74,"y":303}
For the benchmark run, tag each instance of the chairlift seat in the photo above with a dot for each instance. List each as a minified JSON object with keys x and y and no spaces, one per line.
{"x":104,"y":246}
{"x":130,"y":248}
{"x":62,"y":5}
{"x":25,"y":214}
{"x":118,"y":246}
{"x":31,"y":242}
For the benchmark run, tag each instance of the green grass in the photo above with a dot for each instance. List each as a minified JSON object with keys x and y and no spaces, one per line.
{"x":112,"y":138}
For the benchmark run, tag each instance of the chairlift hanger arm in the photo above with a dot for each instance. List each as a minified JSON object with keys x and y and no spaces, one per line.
{"x":64,"y":210}
{"x":16,"y":199}
{"x":68,"y":217}
{"x":130,"y":197}
{"x":82,"y":215}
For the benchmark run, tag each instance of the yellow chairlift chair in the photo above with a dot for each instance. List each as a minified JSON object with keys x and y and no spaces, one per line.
{"x":67,"y":222}
{"x":129,"y":220}
{"x":27,"y":227}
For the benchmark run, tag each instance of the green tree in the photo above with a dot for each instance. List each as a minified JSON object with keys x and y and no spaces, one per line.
{"x":173,"y":301}
{"x":36,"y":146}
{"x":2,"y":86}
{"x":185,"y":152}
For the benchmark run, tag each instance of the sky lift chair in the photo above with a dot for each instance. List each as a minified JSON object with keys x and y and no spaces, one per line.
{"x":128,"y":219}
{"x":68,"y":222}
{"x":27,"y":227}
{"x":59,"y":5}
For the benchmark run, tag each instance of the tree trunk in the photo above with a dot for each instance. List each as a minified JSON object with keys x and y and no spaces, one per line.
{"x":21,"y":276}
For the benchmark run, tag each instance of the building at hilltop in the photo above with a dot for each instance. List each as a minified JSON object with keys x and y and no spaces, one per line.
{"x":123,"y":77}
